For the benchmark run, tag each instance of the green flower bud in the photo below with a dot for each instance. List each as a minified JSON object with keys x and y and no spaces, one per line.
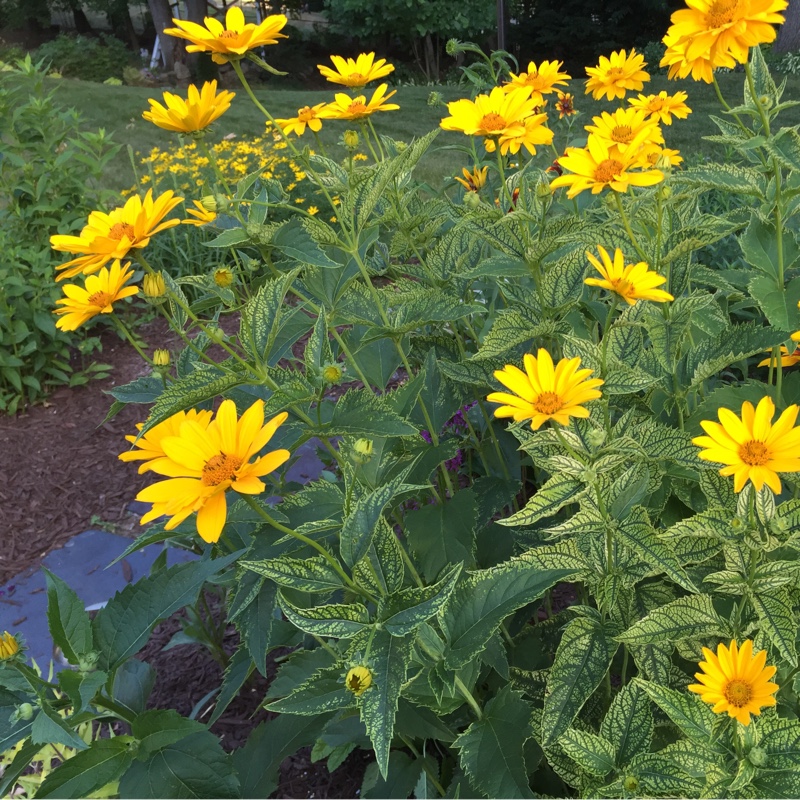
{"x":351,"y":140}
{"x":471,"y":200}
{"x":630,"y":784}
{"x":25,"y":711}
{"x":333,"y":374}
{"x":757,"y":757}
{"x":435,"y":99}
{"x":209,"y":203}
{"x":154,"y":289}
{"x":453,"y":47}
{"x":665,"y":191}
{"x":223,"y":277}
{"x":362,"y":451}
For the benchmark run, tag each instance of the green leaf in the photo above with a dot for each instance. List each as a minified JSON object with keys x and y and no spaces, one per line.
{"x":405,"y":610}
{"x":778,"y":303}
{"x":484,"y":598}
{"x":365,"y":414}
{"x":69,"y":623}
{"x":133,"y":682}
{"x":557,"y":492}
{"x":229,"y":238}
{"x":160,"y":728}
{"x":313,"y":574}
{"x":443,"y":534}
{"x":776,"y":614}
{"x":294,"y":240}
{"x":239,"y":669}
{"x":624,"y":379}
{"x":694,"y":718}
{"x":142,"y":390}
{"x":726,"y":177}
{"x":122,"y":627}
{"x":759,"y":245}
{"x":85,"y":773}
{"x":389,"y":656}
{"x":780,"y":738}
{"x":49,"y":727}
{"x":582,"y":660}
{"x":81,"y":687}
{"x":491,"y":749}
{"x":637,"y":532}
{"x":593,"y":753}
{"x":324,"y":691}
{"x":511,"y":327}
{"x":661,"y":775}
{"x":339,"y":620}
{"x":684,"y":618}
{"x":563,"y":279}
{"x":196,"y":766}
{"x":629,"y":723}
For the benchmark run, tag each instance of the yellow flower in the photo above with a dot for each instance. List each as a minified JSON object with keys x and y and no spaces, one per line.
{"x":358,"y":72}
{"x":626,"y":128}
{"x":153,"y":286}
{"x":752,"y":448}
{"x":202,"y":463}
{"x":313,"y":210}
{"x":195,"y":113}
{"x":223,"y":277}
{"x":491,"y":115}
{"x":231,"y":41}
{"x":473,"y":181}
{"x":358,"y":680}
{"x":202,"y":216}
{"x":662,"y":107}
{"x":736,"y":681}
{"x":787,"y":359}
{"x":307,"y":115}
{"x":532,"y":132}
{"x":161,"y":358}
{"x":541,"y":80}
{"x":9,"y":646}
{"x":110,"y":236}
{"x":96,"y":297}
{"x":565,"y":105}
{"x":615,"y":75}
{"x":149,"y":446}
{"x":600,"y":166}
{"x":346,"y":107}
{"x":654,"y":155}
{"x":718,"y":33}
{"x":632,"y":282}
{"x":545,"y":392}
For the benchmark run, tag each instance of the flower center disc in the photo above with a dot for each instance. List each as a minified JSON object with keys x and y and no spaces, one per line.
{"x":754,"y":453}
{"x":615,"y":73}
{"x":622,"y":133}
{"x":656,"y":104}
{"x":357,"y":108}
{"x":356,"y":77}
{"x":492,"y":122}
{"x":738,"y":693}
{"x":623,"y":287}
{"x":120,"y":229}
{"x":354,"y":683}
{"x":220,"y":468}
{"x":608,"y":170}
{"x":99,"y":299}
{"x":306,"y":114}
{"x":547,"y":403}
{"x":721,"y":13}
{"x":228,"y":35}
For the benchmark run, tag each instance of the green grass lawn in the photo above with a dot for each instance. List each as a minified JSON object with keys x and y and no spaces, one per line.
{"x":119,"y":109}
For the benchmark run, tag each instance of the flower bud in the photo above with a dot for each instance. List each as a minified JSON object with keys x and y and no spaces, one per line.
{"x":9,"y":646}
{"x":453,"y":47}
{"x":435,"y":99}
{"x":154,"y":288}
{"x":209,"y":203}
{"x":543,"y":189}
{"x":665,"y":192}
{"x":333,"y":373}
{"x":664,"y":164}
{"x":757,"y":757}
{"x":351,"y":139}
{"x":764,"y":101}
{"x":221,"y":203}
{"x":161,"y":358}
{"x":630,"y":784}
{"x":596,"y":437}
{"x":358,"y":680}
{"x":471,"y":200}
{"x":215,"y":333}
{"x":24,"y":711}
{"x":737,"y":525}
{"x":223,"y":277}
{"x":362,"y":451}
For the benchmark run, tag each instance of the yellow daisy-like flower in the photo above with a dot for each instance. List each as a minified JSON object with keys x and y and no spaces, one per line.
{"x":632,"y":282}
{"x":306,"y":116}
{"x":662,"y":107}
{"x":626,"y":127}
{"x":150,"y":449}
{"x":565,"y":105}
{"x":346,"y":107}
{"x":736,"y":681}
{"x":9,"y":646}
{"x":229,"y":42}
{"x":473,"y":181}
{"x":356,"y":72}
{"x":654,"y":155}
{"x":545,"y":391}
{"x":200,"y":214}
{"x":358,"y":680}
{"x":719,"y":33}
{"x":203,"y":463}
{"x":532,"y":132}
{"x":195,"y":113}
{"x":752,"y":448}
{"x":495,"y":114}
{"x":98,"y":296}
{"x":616,"y":75}
{"x":787,"y":359}
{"x":700,"y":68}
{"x":110,"y":236}
{"x":600,"y":165}
{"x":541,"y":80}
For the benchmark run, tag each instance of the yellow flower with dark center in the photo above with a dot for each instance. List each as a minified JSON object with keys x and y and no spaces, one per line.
{"x":601,"y":165}
{"x":9,"y":646}
{"x":616,"y":74}
{"x":313,"y":210}
{"x":751,"y":447}
{"x":228,"y":42}
{"x":356,"y":72}
{"x":200,"y":214}
{"x":110,"y":236}
{"x":97,"y":296}
{"x":545,"y":391}
{"x":662,"y":107}
{"x":626,"y":128}
{"x":153,"y":286}
{"x":490,"y":115}
{"x":565,"y":105}
{"x":541,"y":80}
{"x":532,"y":132}
{"x":632,"y":282}
{"x":149,"y":447}
{"x":473,"y":181}
{"x":718,"y":33}
{"x":736,"y":681}
{"x":203,"y":463}
{"x":346,"y":107}
{"x":306,"y":116}
{"x":195,"y":113}
{"x":358,"y":680}
{"x":223,"y":277}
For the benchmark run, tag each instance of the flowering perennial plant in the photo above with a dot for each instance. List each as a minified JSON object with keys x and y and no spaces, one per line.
{"x":529,"y":527}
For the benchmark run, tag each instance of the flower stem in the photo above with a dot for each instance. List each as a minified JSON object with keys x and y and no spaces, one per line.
{"x":628,"y":228}
{"x":467,"y":695}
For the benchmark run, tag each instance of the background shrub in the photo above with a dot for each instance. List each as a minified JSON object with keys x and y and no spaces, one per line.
{"x":87,"y":58}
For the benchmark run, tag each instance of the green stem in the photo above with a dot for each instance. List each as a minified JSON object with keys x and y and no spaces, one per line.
{"x":367,"y":139}
{"x":501,"y":170}
{"x":467,"y":695}
{"x":121,"y":325}
{"x":628,"y":228}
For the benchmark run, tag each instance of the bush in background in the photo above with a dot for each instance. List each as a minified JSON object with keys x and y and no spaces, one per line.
{"x":87,"y":58}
